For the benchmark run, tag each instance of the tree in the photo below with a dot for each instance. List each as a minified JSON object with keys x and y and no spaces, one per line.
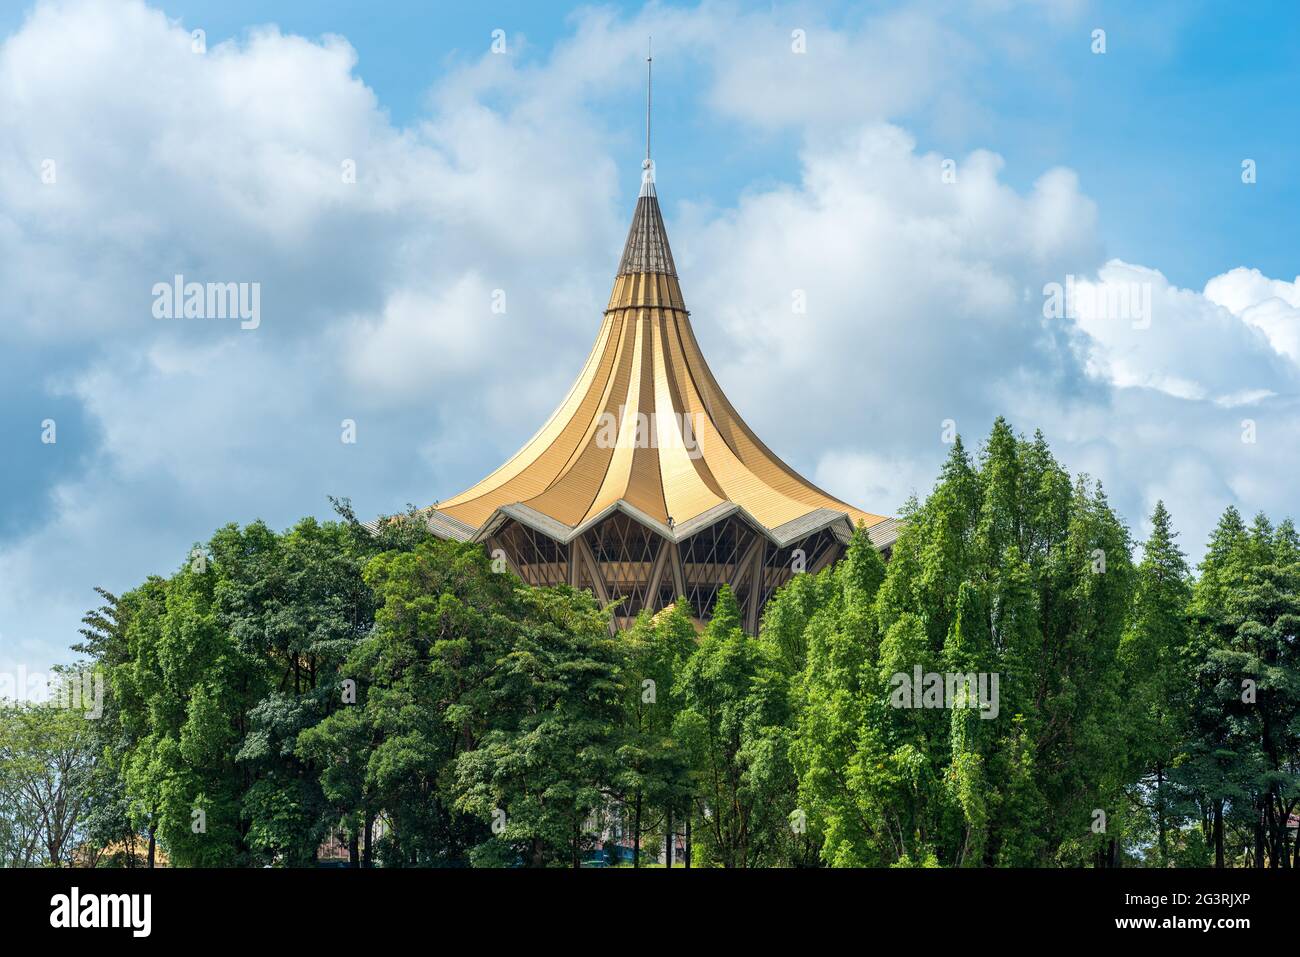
{"x":834,"y":692}
{"x":299,"y":603}
{"x":1243,"y":758}
{"x":552,"y":706}
{"x":654,"y":767}
{"x":216,"y":671}
{"x":192,"y":686}
{"x":339,"y":746}
{"x":1009,"y":571}
{"x":1156,"y":676}
{"x":111,"y":837}
{"x":735,"y":725}
{"x":46,"y":757}
{"x":445,"y":619}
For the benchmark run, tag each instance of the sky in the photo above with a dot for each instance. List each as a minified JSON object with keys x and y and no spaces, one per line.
{"x":920,"y":174}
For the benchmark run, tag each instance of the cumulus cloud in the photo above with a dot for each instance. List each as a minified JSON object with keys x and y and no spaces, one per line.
{"x":848,"y":312}
{"x":877,"y":299}
{"x":1143,"y":332}
{"x":375,"y":294}
{"x":1270,"y":305}
{"x":928,"y":300}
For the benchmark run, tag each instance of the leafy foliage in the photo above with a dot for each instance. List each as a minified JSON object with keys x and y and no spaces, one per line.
{"x":1009,"y":689}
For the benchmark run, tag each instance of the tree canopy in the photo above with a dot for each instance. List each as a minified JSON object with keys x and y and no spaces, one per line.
{"x":1019,"y":684}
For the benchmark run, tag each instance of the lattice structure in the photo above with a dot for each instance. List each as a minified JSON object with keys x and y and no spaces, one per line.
{"x":631,"y":566}
{"x":625,"y":552}
{"x":536,"y":558}
{"x":779,"y":564}
{"x":711,"y":558}
{"x":647,"y":249}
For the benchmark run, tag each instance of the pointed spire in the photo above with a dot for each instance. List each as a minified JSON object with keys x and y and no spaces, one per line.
{"x":646,"y":250}
{"x":648,"y":166}
{"x":649,"y":85}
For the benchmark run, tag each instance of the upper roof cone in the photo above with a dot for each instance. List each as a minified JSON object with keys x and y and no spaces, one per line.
{"x":646,"y":249}
{"x":647,"y":430}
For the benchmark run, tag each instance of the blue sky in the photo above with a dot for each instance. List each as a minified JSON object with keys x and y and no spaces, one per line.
{"x":777,"y":172}
{"x":1157,"y":128}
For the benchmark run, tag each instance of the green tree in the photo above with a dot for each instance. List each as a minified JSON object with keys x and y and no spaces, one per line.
{"x":217,"y":671}
{"x":1244,"y":757}
{"x":191,"y":687}
{"x":734,"y":724}
{"x":654,"y":767}
{"x":1156,"y":675}
{"x":297,"y":602}
{"x":111,"y":837}
{"x":552,"y":707}
{"x":445,"y":620}
{"x":834,"y":694}
{"x":46,"y":761}
{"x":1213,"y":766}
{"x":1008,"y":570}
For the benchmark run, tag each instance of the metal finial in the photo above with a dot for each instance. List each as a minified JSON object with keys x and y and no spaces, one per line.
{"x":649,"y":60}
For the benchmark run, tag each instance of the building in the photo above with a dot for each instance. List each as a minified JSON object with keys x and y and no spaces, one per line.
{"x":646,"y":484}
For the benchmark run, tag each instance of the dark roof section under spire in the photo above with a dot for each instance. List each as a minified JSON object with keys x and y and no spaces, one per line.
{"x":647,"y":241}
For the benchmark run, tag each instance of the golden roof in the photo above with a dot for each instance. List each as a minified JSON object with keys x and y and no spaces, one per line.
{"x":646,"y":429}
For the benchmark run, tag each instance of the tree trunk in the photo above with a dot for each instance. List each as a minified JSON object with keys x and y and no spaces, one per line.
{"x":1274,"y":838}
{"x":1160,"y":814}
{"x":152,"y":845}
{"x":1282,"y":839}
{"x":1218,"y":834}
{"x":1259,"y":835}
{"x":367,"y":852}
{"x":636,"y":830}
{"x":668,"y":839}
{"x":687,"y":861}
{"x":354,"y":849}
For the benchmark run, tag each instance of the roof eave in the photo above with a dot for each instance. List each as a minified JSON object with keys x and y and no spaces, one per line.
{"x":839,"y":523}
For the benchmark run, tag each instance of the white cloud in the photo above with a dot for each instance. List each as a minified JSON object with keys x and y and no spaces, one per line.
{"x":1179,"y":341}
{"x":1270,"y":305}
{"x":923,"y":297}
{"x":920,"y":293}
{"x":925,"y":302}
